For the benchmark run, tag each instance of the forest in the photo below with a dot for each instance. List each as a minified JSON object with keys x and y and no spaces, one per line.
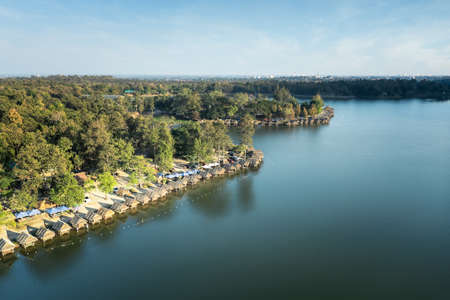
{"x":52,"y":127}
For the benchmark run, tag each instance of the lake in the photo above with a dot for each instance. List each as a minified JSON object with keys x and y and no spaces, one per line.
{"x":358,"y":209}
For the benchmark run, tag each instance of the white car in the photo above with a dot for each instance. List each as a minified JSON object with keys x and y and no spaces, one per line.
{"x":87,"y":199}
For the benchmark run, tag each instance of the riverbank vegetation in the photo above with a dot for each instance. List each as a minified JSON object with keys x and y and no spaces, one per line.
{"x":53,"y":127}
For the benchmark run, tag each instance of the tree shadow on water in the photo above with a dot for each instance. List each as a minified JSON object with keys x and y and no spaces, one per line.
{"x":245,"y":192}
{"x":212,"y":198}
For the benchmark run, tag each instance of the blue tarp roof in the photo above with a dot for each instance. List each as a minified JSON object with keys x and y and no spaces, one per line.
{"x":28,"y":213}
{"x":175,"y":175}
{"x":56,"y":210}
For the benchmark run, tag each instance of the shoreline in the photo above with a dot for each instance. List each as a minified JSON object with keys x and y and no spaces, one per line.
{"x":103,"y":209}
{"x":322,"y":118}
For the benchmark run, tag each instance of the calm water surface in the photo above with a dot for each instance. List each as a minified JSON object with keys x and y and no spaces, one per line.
{"x":359,"y":209}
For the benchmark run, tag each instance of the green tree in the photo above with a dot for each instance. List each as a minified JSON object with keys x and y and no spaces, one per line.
{"x":317,"y":101}
{"x":202,"y":151}
{"x":283,"y":95}
{"x":22,"y":200}
{"x":133,"y":178}
{"x":66,"y":191}
{"x":247,"y":130}
{"x":89,"y":185}
{"x":165,"y":149}
{"x":107,"y":183}
{"x":143,"y":170}
{"x":38,"y":160}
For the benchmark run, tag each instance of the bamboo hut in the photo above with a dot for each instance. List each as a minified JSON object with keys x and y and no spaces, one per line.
{"x":218,"y":171}
{"x":205,"y":175}
{"x":131,"y":203}
{"x":185,"y":181}
{"x":119,"y":208}
{"x":45,"y":234}
{"x":155,"y":195}
{"x":93,"y":218}
{"x":171,"y":186}
{"x":178,"y":185}
{"x":26,"y":240}
{"x":231,"y":168}
{"x":163,"y":191}
{"x":78,"y":223}
{"x":61,"y":228}
{"x":6,"y":247}
{"x":143,"y":199}
{"x":106,"y":213}
{"x":194,"y":179}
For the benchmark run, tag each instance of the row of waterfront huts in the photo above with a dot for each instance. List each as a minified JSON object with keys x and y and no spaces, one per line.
{"x":84,"y":216}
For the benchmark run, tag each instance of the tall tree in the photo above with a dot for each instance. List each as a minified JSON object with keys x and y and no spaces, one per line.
{"x":107,"y":183}
{"x":247,"y":130}
{"x":165,"y":148}
{"x":67,"y":191}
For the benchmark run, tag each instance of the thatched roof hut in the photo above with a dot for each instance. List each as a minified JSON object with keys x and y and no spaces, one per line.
{"x":6,"y":247}
{"x":194,"y":179}
{"x":105,"y":213}
{"x":119,"y":207}
{"x":61,"y":228}
{"x":171,"y":186}
{"x":230,"y":168}
{"x":26,"y":240}
{"x":205,"y":174}
{"x":163,"y":191}
{"x":179,"y":185}
{"x":45,"y":234}
{"x":143,"y":198}
{"x":78,"y":223}
{"x":131,"y":203}
{"x":218,"y":171}
{"x":185,"y":181}
{"x":93,"y":218}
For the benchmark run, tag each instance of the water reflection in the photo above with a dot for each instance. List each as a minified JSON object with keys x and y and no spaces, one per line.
{"x":49,"y":261}
{"x":212,"y":199}
{"x":245,"y":192}
{"x":5,"y":264}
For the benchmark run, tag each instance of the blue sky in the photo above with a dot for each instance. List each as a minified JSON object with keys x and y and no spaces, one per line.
{"x":225,"y":37}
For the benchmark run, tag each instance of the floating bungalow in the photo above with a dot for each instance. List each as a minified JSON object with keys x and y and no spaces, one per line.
{"x":26,"y":240}
{"x":178,"y":185}
{"x":106,"y":213}
{"x":61,"y":228}
{"x":162,"y":191}
{"x":205,"y":175}
{"x":143,"y":198}
{"x":171,"y":186}
{"x":194,"y":179}
{"x":119,"y":208}
{"x":78,"y":223}
{"x":131,"y":203}
{"x":45,"y":234}
{"x":93,"y":218}
{"x":6,"y":247}
{"x":218,"y":171}
{"x":185,"y":181}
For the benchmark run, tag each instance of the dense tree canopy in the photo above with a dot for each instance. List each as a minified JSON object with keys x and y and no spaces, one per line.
{"x":51,"y":127}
